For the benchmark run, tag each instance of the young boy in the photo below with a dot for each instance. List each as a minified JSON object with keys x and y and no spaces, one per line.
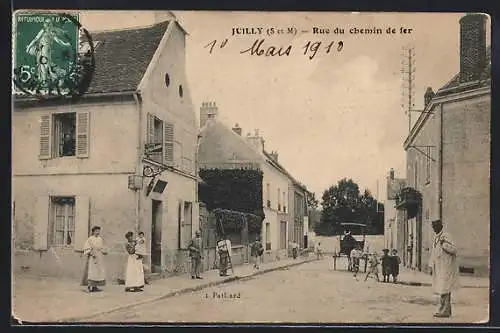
{"x":140,"y":247}
{"x":256,"y":251}
{"x":372,"y":266}
{"x":396,"y":261}
{"x":356,"y":253}
{"x":386,"y":265}
{"x":319,"y":251}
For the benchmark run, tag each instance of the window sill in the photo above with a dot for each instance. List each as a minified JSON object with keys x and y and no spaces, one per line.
{"x":64,"y":247}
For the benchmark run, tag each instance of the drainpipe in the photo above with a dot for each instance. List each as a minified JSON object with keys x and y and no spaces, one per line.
{"x":440,"y":187}
{"x":138,"y":170}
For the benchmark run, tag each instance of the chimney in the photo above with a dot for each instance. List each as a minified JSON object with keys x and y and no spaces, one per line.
{"x":208,"y":110}
{"x":472,"y":47}
{"x":391,"y":174}
{"x":163,"y":15}
{"x":237,"y":129}
{"x":256,"y":141}
{"x":429,"y":94}
{"x":274,"y":155}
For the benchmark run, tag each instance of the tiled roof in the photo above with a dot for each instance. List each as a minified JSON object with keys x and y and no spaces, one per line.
{"x":455,"y":81}
{"x":219,"y":144}
{"x":122,"y":57}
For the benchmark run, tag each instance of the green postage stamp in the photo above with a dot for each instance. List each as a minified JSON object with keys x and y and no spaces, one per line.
{"x":46,"y":53}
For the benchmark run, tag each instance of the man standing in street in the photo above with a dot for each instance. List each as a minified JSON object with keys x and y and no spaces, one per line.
{"x":444,"y":267}
{"x":195,"y":253}
{"x":224,"y":250}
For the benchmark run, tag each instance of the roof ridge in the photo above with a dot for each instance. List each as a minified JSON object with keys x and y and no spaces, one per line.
{"x":228,"y":130}
{"x":144,"y":27}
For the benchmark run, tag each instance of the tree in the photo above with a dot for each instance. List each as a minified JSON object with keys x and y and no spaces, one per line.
{"x":344,"y":203}
{"x":312,"y":202}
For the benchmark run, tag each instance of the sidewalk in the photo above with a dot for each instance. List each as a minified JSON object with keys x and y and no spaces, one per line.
{"x":53,"y":299}
{"x":417,"y":278}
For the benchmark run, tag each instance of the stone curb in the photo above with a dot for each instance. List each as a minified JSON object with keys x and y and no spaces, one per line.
{"x":426,"y":284}
{"x":181,"y":292}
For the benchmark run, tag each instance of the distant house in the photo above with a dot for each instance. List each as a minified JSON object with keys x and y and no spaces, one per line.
{"x":223,"y":148}
{"x":137,"y":114}
{"x":448,"y":158}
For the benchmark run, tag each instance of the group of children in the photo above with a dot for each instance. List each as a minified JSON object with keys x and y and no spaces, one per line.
{"x":390,"y":264}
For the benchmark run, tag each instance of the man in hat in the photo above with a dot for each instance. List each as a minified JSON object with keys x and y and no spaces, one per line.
{"x":224,"y":251}
{"x":349,"y":244}
{"x":195,"y":253}
{"x":444,"y":267}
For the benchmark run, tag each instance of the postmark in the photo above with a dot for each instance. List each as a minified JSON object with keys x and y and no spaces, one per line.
{"x":53,"y":55}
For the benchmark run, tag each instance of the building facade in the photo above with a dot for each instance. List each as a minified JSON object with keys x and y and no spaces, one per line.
{"x":298,"y":209}
{"x":394,"y":222}
{"x":448,"y":157}
{"x":225,"y":148}
{"x":87,"y":163}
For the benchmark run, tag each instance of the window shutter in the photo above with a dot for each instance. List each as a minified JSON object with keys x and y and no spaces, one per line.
{"x":82,"y":134}
{"x":41,"y":219}
{"x":150,"y":123}
{"x":168,"y":141}
{"x":45,"y":136}
{"x":196,"y":216}
{"x":82,"y":221}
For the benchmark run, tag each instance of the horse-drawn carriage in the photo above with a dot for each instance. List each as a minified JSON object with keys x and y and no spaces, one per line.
{"x":353,"y":237}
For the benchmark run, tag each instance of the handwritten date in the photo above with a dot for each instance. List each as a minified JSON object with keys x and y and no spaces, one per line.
{"x":259,"y":48}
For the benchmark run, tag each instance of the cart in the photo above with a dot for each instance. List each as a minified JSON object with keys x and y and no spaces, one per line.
{"x":348,"y":241}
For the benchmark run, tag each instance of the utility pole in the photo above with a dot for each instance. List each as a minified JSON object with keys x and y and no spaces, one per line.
{"x":408,"y":77}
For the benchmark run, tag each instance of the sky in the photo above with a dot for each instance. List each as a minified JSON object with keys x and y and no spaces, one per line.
{"x":334,"y":116}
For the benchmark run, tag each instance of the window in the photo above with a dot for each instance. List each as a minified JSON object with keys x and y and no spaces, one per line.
{"x":284,"y":203}
{"x":160,"y":140}
{"x":167,"y":80}
{"x":185,"y":223}
{"x":428,"y":166}
{"x":268,"y":237}
{"x":62,"y":221}
{"x":64,"y":134}
{"x":279,"y":199}
{"x":181,"y":91}
{"x":268,"y":195}
{"x":283,"y":235}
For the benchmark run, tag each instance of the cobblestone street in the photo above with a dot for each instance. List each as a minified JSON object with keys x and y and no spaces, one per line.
{"x":311,"y":292}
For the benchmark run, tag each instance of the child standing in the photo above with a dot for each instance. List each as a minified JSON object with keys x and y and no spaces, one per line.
{"x":256,"y":251}
{"x":319,"y":251}
{"x":396,"y":261}
{"x":372,"y":266}
{"x":356,"y":253}
{"x":387,"y":264}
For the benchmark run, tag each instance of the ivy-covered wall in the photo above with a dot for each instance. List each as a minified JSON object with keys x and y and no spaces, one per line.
{"x":234,"y":189}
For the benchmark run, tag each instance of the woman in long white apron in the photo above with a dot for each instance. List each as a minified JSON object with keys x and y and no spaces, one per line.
{"x":94,"y":274}
{"x":134,"y":273}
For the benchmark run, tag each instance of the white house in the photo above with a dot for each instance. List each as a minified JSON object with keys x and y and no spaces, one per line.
{"x":225,"y":148}
{"x":136,"y":116}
